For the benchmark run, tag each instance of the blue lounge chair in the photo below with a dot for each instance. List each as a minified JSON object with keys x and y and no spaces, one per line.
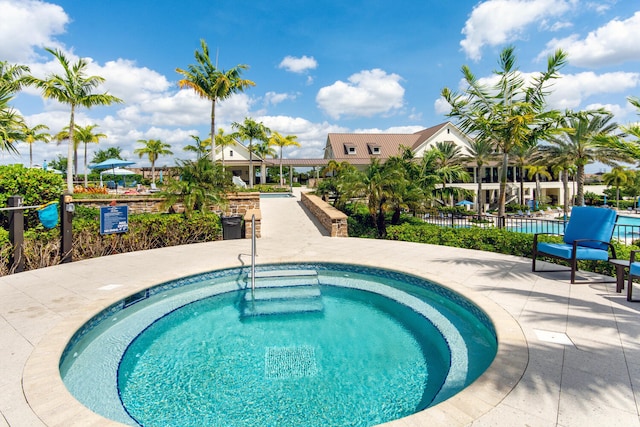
{"x":586,"y":237}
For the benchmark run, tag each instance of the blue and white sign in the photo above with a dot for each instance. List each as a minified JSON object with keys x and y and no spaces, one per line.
{"x":114,"y":219}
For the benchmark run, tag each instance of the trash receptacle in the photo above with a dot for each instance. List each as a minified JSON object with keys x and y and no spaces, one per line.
{"x":231,"y":227}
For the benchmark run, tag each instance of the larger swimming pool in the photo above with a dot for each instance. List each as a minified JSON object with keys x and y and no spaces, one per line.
{"x":361,"y":346}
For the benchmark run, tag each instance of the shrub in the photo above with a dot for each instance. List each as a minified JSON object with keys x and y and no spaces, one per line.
{"x":36,"y":186}
{"x":146,"y":231}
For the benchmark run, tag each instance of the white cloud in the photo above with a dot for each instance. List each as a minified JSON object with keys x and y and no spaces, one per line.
{"x":366,"y":94}
{"x":273,"y":98}
{"x":495,"y":22}
{"x":298,"y":65}
{"x":614,"y":43}
{"x":29,"y":24}
{"x":572,"y":90}
{"x":129,"y":82}
{"x":441,"y":106}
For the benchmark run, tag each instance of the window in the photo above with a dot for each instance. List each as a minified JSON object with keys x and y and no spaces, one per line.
{"x":230,"y":153}
{"x":373,"y":149}
{"x":349,"y":149}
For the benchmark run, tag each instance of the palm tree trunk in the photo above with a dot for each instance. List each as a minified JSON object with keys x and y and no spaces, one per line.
{"x":250,"y":163}
{"x":502,"y":196}
{"x":522,"y":186}
{"x":153,"y":171}
{"x":86,"y":182}
{"x":213,"y":131}
{"x":580,"y":179}
{"x":70,"y":152}
{"x":281,"y":180}
{"x":565,"y":184}
{"x":478,"y":197}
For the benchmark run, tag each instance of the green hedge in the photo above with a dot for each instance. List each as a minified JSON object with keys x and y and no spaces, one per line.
{"x":146,"y":231}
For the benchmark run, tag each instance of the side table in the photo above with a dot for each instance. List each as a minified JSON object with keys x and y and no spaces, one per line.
{"x":620,"y":265}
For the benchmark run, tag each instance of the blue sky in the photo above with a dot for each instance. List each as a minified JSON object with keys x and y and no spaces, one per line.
{"x":319,"y":67}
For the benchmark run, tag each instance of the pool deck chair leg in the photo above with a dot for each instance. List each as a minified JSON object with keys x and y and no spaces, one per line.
{"x":634,"y":271}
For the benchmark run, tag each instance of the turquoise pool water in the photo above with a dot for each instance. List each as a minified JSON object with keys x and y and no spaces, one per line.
{"x":385,"y":345}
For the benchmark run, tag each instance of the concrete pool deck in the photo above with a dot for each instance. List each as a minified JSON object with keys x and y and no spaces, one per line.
{"x":569,"y":355}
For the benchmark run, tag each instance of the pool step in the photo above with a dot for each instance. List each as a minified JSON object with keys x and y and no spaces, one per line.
{"x":282,"y":292}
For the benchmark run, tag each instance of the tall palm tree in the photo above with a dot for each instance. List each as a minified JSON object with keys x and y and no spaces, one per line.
{"x":481,"y":152}
{"x":153,"y":148}
{"x":200,"y":146}
{"x":559,"y":157}
{"x":74,"y":88}
{"x":283,"y":141}
{"x":617,"y":177}
{"x":82,"y":135}
{"x":585,"y":140}
{"x":252,"y":131}
{"x":33,"y":135}
{"x":212,"y":84}
{"x":509,"y":112}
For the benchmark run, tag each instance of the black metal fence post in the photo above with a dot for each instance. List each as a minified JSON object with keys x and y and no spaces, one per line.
{"x":502,"y":221}
{"x":16,"y":234}
{"x":66,"y":234}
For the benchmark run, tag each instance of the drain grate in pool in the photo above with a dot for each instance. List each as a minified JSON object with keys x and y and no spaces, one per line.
{"x":290,"y":362}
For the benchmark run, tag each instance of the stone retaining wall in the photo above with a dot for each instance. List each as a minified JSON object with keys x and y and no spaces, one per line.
{"x":238,"y":204}
{"x":331,"y":218}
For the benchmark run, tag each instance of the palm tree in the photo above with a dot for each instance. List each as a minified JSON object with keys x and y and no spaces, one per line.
{"x":153,"y":148}
{"x":74,"y":88}
{"x":203,"y":184}
{"x":212,"y":84}
{"x":223,"y":141}
{"x":12,"y":78}
{"x":448,"y":162}
{"x":85,"y":136}
{"x":559,"y":157}
{"x":32,"y":135}
{"x":536,"y":171}
{"x":586,"y":139}
{"x":200,"y":147}
{"x":481,"y":152}
{"x":617,"y":177}
{"x":522,"y":156}
{"x":251,"y":130}
{"x":283,"y":141}
{"x":11,"y":125}
{"x":508,"y":113}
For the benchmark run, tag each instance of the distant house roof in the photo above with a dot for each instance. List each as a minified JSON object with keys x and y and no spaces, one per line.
{"x":360,"y":148}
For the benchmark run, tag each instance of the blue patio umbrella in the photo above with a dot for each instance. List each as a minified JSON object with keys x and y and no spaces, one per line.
{"x":464,"y":203}
{"x":112,"y":164}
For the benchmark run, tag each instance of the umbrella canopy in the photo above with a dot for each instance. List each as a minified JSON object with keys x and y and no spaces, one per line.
{"x":117,"y":171}
{"x":114,"y":172}
{"x":111,"y":164}
{"x":464,"y":203}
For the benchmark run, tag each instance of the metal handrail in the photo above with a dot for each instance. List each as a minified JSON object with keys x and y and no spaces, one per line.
{"x":15,"y":208}
{"x":253,"y":254}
